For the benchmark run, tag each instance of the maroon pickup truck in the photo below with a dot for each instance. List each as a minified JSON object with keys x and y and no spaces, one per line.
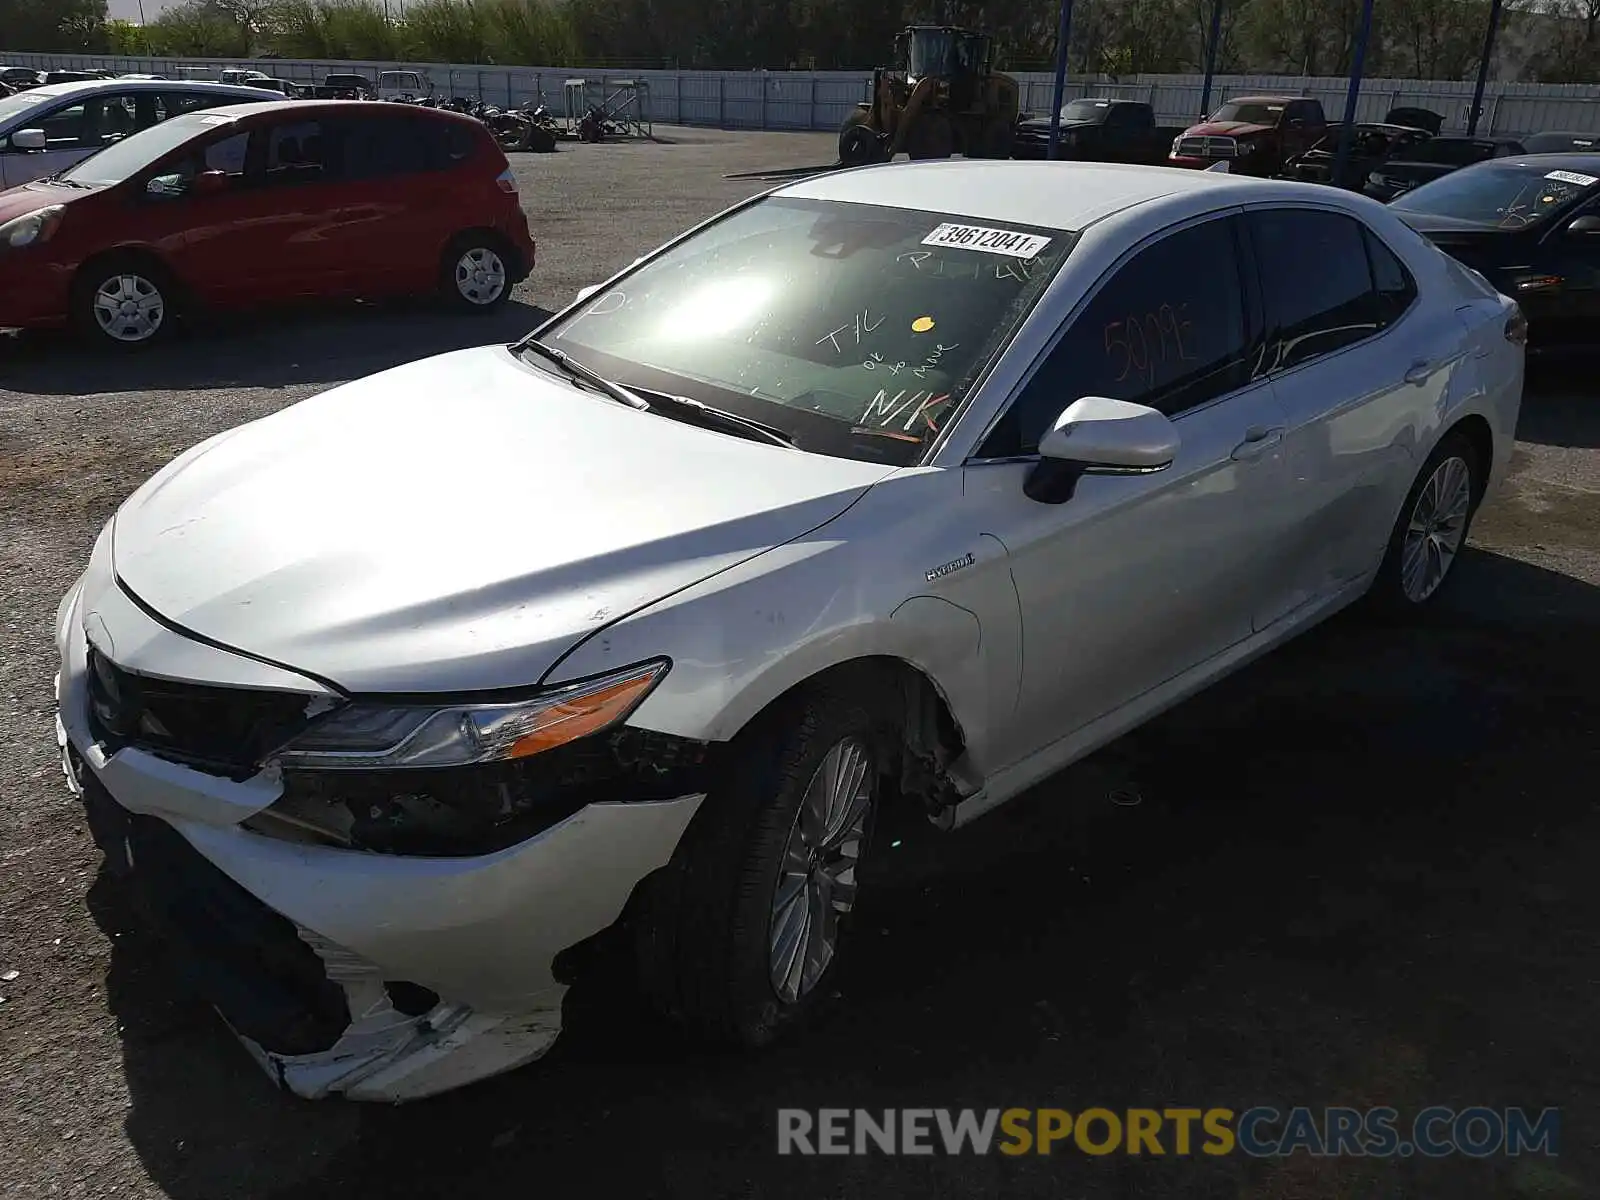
{"x":1255,"y":135}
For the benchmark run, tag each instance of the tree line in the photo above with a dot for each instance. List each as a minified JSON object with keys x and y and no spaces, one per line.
{"x":1549,"y":40}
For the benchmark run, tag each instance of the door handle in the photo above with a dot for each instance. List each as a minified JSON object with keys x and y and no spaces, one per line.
{"x":1257,"y":441}
{"x":1419,"y":373}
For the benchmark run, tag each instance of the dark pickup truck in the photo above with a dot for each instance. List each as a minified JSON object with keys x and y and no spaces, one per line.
{"x":1098,"y":130}
{"x":338,"y":86}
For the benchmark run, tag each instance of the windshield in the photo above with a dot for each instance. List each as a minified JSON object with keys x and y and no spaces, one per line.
{"x":1453,"y":152}
{"x":1509,"y":196}
{"x":10,"y":106}
{"x":1249,"y":114}
{"x":1086,"y":110}
{"x":132,"y":154}
{"x":856,"y":330}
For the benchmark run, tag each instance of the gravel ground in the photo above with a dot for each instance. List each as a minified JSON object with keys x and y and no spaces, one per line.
{"x":1361,"y":872}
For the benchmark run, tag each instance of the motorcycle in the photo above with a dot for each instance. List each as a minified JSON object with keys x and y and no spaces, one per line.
{"x":530,"y":127}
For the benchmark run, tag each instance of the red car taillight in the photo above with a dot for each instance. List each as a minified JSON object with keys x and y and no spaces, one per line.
{"x":1517,"y":327}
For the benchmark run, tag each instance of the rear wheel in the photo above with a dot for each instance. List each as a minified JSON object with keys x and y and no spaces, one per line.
{"x":123,"y":303}
{"x":994,"y":140}
{"x":1432,"y":528}
{"x":930,"y":137}
{"x":476,"y":272}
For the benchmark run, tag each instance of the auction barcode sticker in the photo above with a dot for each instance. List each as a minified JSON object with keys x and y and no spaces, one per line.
{"x":1573,"y":177}
{"x":990,"y":241}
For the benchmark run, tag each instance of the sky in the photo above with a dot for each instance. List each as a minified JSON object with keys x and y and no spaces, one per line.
{"x":128,"y":10}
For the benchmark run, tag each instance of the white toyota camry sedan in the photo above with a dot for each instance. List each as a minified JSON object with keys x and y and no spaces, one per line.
{"x":897,"y":487}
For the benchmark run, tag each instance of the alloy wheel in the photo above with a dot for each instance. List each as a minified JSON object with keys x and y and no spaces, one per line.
{"x":480,"y":276}
{"x":1437,"y":527}
{"x":817,"y":875}
{"x":129,"y":308}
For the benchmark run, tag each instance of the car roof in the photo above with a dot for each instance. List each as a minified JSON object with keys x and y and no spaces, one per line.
{"x":1264,"y":99}
{"x":1051,"y":195}
{"x":1582,"y":163}
{"x":136,"y":85}
{"x":306,"y":107}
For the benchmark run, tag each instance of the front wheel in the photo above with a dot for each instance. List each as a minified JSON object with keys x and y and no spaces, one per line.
{"x":475,"y":274}
{"x":742,"y":930}
{"x":123,"y":304}
{"x":1432,"y":528}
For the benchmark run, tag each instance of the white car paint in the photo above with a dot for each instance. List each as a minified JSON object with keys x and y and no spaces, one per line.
{"x":28,"y":110}
{"x":470,"y":523}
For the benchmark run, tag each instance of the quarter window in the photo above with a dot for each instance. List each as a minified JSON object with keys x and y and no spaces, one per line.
{"x":1315,"y":282}
{"x":1395,"y":287}
{"x":1167,"y":330}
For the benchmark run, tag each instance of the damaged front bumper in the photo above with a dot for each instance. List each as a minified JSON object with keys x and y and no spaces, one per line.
{"x":372,"y":976}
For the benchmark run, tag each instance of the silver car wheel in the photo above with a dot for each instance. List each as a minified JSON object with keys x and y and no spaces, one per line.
{"x":1436,"y":529}
{"x":480,"y":276}
{"x":129,"y":308}
{"x":817,"y":876}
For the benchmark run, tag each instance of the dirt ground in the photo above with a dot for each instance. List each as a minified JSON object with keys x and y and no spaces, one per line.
{"x":1362,"y":872}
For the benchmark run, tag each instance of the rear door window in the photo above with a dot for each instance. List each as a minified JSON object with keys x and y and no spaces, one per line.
{"x":381,"y":147}
{"x":298,"y":153}
{"x":1167,"y":330}
{"x":1316,"y":283}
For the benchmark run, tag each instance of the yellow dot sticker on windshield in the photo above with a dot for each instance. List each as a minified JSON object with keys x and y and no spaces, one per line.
{"x":922,"y":325}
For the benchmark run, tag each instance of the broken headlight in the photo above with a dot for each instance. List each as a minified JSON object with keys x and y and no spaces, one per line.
{"x":374,"y":734}
{"x":473,"y":778}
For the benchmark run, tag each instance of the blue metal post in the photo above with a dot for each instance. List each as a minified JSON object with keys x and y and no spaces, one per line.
{"x":1483,"y":67}
{"x":1063,"y":34}
{"x":1357,"y":65}
{"x":1211,"y":58}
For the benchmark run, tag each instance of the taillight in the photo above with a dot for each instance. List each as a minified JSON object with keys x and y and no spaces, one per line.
{"x":1517,"y":327}
{"x":506,"y":181}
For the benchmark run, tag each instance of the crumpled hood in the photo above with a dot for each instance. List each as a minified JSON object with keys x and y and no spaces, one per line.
{"x":456,"y":524}
{"x":1224,"y":129}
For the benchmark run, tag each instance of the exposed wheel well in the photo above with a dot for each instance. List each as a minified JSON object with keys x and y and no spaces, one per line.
{"x":133,"y":254}
{"x":1478,"y":434}
{"x":929,"y":736}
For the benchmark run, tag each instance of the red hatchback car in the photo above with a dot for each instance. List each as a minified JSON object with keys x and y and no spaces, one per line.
{"x":259,"y":203}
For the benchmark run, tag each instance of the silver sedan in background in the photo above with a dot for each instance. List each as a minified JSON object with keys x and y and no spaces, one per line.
{"x":904,"y":486}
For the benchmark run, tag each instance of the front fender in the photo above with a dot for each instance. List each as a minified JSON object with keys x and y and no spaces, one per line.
{"x":858,"y":587}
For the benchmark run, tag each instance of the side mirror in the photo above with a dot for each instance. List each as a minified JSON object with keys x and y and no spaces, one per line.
{"x":30,"y":139}
{"x":209,"y":183}
{"x":1587,"y":226}
{"x":1099,"y":436}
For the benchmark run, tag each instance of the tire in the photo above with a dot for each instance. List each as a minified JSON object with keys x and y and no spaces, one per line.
{"x":931,"y":137}
{"x":713,"y":933}
{"x":140,"y":282}
{"x":994,"y":140}
{"x":858,"y":146}
{"x":1434,"y":523}
{"x":471,"y":266}
{"x":541,"y":140}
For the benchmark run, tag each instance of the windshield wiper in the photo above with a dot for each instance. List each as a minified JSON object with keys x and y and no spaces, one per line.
{"x":734,"y":420}
{"x":573,"y":369}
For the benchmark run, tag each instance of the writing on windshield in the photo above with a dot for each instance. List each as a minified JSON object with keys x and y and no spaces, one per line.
{"x":822,"y":319}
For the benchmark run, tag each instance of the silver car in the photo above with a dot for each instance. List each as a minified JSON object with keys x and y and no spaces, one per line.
{"x":896,"y":487}
{"x":47,"y":129}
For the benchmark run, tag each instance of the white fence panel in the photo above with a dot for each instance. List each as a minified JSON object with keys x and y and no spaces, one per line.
{"x":823,"y":99}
